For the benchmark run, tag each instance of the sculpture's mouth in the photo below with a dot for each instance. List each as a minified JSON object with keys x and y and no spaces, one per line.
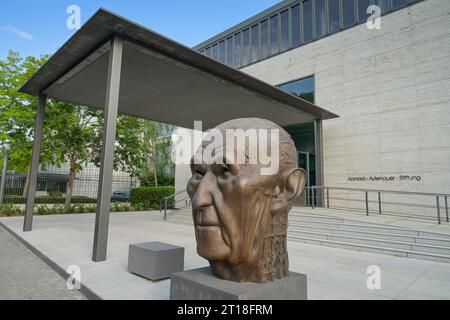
{"x":206,"y":217}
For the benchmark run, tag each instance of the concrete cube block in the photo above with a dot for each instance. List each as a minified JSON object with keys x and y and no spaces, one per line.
{"x":155,"y":260}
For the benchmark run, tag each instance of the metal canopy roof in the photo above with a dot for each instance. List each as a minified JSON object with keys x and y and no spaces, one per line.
{"x":161,"y":80}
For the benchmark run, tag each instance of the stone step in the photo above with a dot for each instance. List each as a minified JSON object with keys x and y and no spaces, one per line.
{"x":356,"y":235}
{"x":374,"y":234}
{"x":356,"y":227}
{"x":373,"y":249}
{"x":445,"y":250}
{"x":329,"y":218}
{"x":365,"y":226}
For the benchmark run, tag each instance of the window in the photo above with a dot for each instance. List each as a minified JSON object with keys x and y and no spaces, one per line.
{"x":285,"y":42}
{"x":303,"y":22}
{"x":264,"y":39}
{"x":307,"y":21}
{"x":237,"y":50}
{"x":274,"y":49}
{"x":215,"y":52}
{"x":383,"y":4}
{"x":230,"y":51}
{"x":348,"y":11}
{"x":255,"y":43}
{"x":321,"y":18}
{"x":303,"y":88}
{"x":246,"y":47}
{"x":295,"y":12}
{"x":222,"y":51}
{"x":303,"y":135}
{"x":334,"y":16}
{"x":399,"y":3}
{"x":362,"y":10}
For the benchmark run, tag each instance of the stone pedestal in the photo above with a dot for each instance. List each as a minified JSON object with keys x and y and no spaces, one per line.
{"x":155,"y":260}
{"x":201,"y":284}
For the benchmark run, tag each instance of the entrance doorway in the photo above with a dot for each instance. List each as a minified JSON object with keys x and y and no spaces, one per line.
{"x":307,"y":161}
{"x":304,"y":139}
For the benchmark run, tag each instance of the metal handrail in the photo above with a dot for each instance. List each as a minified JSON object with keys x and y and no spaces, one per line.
{"x":165,"y":199}
{"x":438,"y":196}
{"x":168,"y":197}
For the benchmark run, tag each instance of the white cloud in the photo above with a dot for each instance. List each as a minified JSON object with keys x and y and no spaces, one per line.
{"x":19,"y":33}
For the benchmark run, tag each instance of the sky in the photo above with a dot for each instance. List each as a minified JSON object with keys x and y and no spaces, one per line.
{"x":34,"y":28}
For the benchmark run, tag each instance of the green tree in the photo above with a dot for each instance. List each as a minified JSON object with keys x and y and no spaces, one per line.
{"x":73,"y":133}
{"x":68,"y":129}
{"x":141,"y":148}
{"x":128,"y":156}
{"x":18,"y":112}
{"x":156,"y":149}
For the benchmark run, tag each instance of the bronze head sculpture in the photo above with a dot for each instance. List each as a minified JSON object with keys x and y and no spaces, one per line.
{"x":241,"y":216}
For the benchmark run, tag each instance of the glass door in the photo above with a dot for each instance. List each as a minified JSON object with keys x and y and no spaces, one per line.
{"x":304,"y":163}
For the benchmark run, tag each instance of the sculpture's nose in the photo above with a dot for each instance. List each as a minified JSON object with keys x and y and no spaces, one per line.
{"x":203,"y":197}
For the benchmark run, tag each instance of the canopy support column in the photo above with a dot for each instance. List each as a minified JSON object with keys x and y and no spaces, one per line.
{"x":34,"y":166}
{"x":319,"y":161}
{"x":107,"y":153}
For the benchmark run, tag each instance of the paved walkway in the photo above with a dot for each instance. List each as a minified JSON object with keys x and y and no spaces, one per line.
{"x":23,"y":275}
{"x":332,"y":273}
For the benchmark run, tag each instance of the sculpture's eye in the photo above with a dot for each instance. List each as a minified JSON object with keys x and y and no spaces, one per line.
{"x":225,"y":171}
{"x":199,"y":174}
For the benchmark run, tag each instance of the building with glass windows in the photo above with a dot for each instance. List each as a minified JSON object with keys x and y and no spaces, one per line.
{"x":390,"y":86}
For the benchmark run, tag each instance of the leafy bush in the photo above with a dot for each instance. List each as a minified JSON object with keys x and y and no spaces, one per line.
{"x":138,"y":207}
{"x":55,"y":194}
{"x":150,"y":197}
{"x":53,"y":210}
{"x":115,"y":207}
{"x":164,"y":180}
{"x":124,"y":207}
{"x":42,"y":209}
{"x":8,"y":209}
{"x":57,"y":209}
{"x":49,"y":200}
{"x":91,"y":209}
{"x":80,"y":208}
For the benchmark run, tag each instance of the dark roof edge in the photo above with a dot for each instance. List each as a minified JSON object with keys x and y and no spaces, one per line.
{"x":77,"y":48}
{"x":24,"y":88}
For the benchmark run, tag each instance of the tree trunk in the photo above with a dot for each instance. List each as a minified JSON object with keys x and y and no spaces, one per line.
{"x":156,"y":178}
{"x":154,"y":166}
{"x":70,"y":183}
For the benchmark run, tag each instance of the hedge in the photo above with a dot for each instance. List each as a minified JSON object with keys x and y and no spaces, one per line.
{"x":150,"y":197}
{"x":49,"y":200}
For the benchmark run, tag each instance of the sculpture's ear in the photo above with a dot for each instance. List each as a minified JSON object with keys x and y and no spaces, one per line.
{"x":290,"y":187}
